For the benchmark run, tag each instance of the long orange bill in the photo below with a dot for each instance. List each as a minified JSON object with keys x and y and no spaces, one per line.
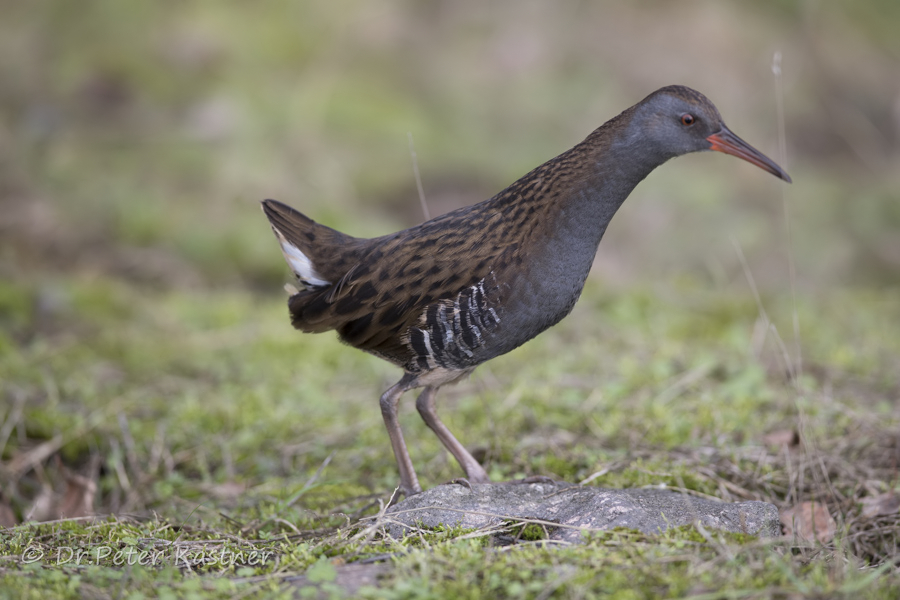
{"x":728,"y":143}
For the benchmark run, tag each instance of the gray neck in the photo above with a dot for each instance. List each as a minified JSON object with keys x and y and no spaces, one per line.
{"x":588,"y":206}
{"x":561,"y":259}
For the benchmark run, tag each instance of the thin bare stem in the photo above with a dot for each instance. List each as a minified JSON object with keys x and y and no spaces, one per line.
{"x":770,"y":327}
{"x":415,"y":162}
{"x":782,"y":151}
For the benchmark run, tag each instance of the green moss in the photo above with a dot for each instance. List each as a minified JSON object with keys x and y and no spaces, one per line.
{"x":235,"y":407}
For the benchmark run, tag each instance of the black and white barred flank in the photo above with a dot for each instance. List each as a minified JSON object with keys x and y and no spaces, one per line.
{"x":450,"y":332}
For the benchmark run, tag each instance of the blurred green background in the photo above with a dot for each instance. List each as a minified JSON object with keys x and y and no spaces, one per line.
{"x":137,"y":138}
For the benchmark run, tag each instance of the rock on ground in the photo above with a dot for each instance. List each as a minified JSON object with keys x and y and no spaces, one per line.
{"x":571,"y":509}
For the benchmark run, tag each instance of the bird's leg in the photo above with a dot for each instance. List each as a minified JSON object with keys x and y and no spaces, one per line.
{"x":409,"y":483}
{"x":425,"y":405}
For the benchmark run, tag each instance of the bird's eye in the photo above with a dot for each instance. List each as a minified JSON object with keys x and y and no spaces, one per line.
{"x":687,"y":119}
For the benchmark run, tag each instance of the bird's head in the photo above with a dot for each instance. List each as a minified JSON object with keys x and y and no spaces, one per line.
{"x":678,"y":120}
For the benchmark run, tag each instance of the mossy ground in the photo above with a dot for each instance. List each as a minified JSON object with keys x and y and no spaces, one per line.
{"x":237,"y":455}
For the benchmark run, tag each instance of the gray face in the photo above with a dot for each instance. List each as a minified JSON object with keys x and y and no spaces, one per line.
{"x":676,"y":120}
{"x":675,"y":123}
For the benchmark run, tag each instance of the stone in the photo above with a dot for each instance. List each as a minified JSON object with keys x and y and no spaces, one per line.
{"x":567,"y":510}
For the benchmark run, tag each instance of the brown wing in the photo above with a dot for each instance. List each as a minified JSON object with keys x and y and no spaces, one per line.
{"x":380,"y":288}
{"x":391,"y":285}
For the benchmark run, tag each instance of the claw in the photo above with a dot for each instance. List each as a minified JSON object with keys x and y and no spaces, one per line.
{"x":461,"y":481}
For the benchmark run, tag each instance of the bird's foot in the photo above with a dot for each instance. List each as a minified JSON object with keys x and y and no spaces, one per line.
{"x":460,"y":481}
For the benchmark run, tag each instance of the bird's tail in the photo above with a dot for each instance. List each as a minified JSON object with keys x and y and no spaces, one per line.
{"x":318,"y":255}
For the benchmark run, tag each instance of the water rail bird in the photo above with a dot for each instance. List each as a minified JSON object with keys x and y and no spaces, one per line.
{"x":440,"y":298}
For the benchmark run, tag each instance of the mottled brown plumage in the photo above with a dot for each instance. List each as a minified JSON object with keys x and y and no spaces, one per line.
{"x":442,"y":297}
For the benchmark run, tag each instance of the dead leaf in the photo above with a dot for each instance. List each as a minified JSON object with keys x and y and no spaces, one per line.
{"x":225,"y":491}
{"x":809,"y":522}
{"x":44,"y":506}
{"x":25,"y":461}
{"x":880,"y":505}
{"x":78,"y":500}
{"x":7,"y":516}
{"x":782,"y":437}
